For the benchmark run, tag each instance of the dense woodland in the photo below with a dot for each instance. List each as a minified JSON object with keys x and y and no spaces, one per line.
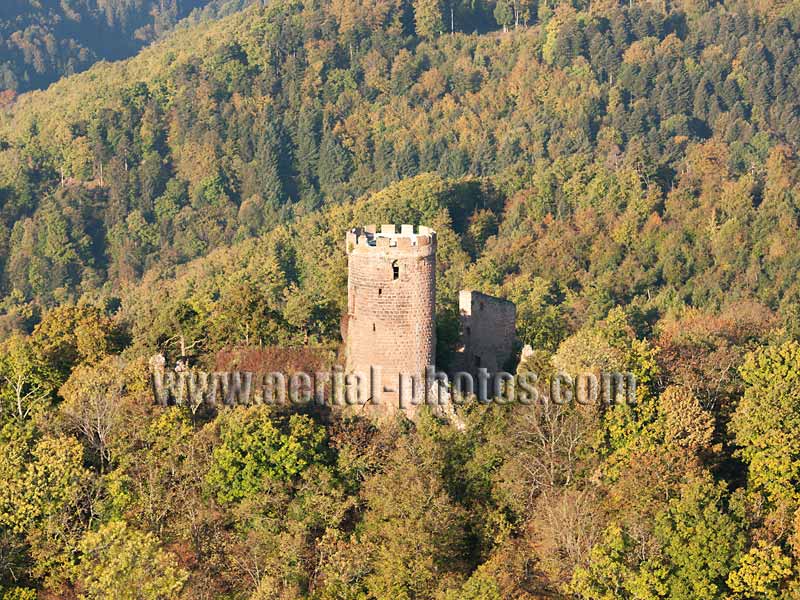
{"x":42,"y":40}
{"x":626,"y":173}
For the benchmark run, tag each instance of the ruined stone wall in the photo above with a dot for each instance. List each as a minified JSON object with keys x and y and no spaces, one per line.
{"x":488,"y":330}
{"x":391,"y":303}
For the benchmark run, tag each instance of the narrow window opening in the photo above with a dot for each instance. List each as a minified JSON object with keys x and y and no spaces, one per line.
{"x":395,"y":270}
{"x":469,"y":331}
{"x":380,"y":291}
{"x":373,"y":327}
{"x":477,"y":361}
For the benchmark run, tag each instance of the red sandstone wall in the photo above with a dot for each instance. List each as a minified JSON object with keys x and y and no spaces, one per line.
{"x":391,"y":321}
{"x":488,"y":329}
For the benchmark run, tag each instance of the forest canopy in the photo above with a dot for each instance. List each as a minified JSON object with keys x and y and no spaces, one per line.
{"x":43,"y":40}
{"x":625,"y":172}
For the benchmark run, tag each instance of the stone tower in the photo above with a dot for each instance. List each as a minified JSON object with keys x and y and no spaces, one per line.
{"x":391,"y":307}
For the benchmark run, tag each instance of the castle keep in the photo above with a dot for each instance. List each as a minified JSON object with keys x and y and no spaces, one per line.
{"x":390,"y":322}
{"x":391,"y":290}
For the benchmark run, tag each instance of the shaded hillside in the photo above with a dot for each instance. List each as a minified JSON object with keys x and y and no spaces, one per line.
{"x":43,"y":41}
{"x":228,"y":129}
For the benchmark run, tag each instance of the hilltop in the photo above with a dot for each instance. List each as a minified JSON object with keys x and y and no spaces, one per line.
{"x":625,"y":173}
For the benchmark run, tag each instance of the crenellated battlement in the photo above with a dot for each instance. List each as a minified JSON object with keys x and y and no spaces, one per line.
{"x":403,"y":237}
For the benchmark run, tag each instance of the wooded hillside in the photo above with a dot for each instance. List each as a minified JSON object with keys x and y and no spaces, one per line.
{"x":626,"y":173}
{"x":43,"y":40}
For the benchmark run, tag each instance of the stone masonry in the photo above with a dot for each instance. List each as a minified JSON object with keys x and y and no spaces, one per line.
{"x":391,"y":306}
{"x":488,"y":329}
{"x":390,"y":322}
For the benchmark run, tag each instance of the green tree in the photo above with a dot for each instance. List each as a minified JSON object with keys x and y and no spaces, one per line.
{"x":44,"y":492}
{"x":763,"y":573}
{"x":120,"y":562}
{"x":70,"y":334}
{"x":607,"y":575}
{"x":334,"y":165}
{"x":766,"y":424}
{"x":504,"y":13}
{"x":413,"y":545}
{"x":701,"y":541}
{"x":25,"y":380}
{"x":428,"y":18}
{"x":540,"y":319}
{"x":42,"y":477}
{"x":256,"y":448}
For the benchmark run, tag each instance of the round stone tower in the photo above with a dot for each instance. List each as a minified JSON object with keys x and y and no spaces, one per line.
{"x":391,"y":309}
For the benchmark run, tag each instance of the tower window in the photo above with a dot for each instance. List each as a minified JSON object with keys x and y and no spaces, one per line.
{"x":373,"y":327}
{"x":395,"y":270}
{"x":380,"y":291}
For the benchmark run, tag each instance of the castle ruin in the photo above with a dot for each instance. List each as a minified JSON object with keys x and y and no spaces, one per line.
{"x":390,"y":328}
{"x":391,"y":291}
{"x":488,"y":329}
